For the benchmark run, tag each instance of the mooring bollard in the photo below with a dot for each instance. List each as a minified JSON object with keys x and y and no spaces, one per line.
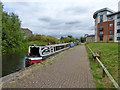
{"x":99,"y":57}
{"x":103,"y":75}
{"x":99,"y":54}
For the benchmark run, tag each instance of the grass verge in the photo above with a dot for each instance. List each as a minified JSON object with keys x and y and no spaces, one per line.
{"x":109,"y":57}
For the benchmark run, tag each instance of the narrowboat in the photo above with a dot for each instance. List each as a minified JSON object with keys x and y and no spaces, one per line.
{"x":36,"y":53}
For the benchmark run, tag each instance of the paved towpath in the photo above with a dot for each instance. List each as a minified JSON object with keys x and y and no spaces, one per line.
{"x":70,"y":70}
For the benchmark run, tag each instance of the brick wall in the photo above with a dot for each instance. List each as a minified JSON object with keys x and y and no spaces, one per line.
{"x":90,"y":39}
{"x":105,"y":32}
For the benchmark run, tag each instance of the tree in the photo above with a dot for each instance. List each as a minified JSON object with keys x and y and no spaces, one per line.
{"x":11,"y":32}
{"x":61,"y":38}
{"x":77,"y":39}
{"x":70,"y":36}
{"x":67,"y":39}
{"x":43,"y":38}
{"x":82,"y":39}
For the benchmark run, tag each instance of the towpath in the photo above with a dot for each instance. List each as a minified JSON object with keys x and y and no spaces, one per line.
{"x":70,"y":70}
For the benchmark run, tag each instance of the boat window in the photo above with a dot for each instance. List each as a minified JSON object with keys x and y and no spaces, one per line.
{"x":34,"y":51}
{"x":54,"y":48}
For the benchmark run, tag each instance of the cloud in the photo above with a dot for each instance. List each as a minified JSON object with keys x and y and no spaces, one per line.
{"x":76,"y":10}
{"x":73,"y":22}
{"x":58,"y":17}
{"x":51,"y":21}
{"x":45,"y":19}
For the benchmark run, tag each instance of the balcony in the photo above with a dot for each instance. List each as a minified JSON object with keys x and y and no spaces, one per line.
{"x":118,"y":16}
{"x":118,"y":38}
{"x":100,"y":29}
{"x":100,"y":35}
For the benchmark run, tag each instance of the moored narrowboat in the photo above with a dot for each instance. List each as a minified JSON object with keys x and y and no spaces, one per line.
{"x":36,"y":53}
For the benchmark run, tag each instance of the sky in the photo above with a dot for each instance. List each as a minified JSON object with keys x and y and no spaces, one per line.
{"x":58,"y":17}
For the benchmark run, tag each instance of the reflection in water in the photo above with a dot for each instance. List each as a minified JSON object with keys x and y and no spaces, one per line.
{"x":12,"y":63}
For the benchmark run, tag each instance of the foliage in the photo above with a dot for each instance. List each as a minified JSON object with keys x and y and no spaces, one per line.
{"x":65,"y":39}
{"x":82,"y":39}
{"x":77,"y":39}
{"x":43,"y":38}
{"x":52,"y":40}
{"x":70,"y":36}
{"x":12,"y":36}
{"x":68,"y":39}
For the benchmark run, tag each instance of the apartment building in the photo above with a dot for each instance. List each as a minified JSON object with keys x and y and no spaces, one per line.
{"x":107,"y":25}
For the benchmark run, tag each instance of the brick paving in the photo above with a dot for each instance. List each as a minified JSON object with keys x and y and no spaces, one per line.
{"x":70,"y":70}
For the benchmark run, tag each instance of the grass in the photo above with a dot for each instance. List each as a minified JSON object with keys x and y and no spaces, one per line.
{"x":109,"y":57}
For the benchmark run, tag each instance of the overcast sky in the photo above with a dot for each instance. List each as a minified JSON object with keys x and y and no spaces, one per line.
{"x":58,"y":17}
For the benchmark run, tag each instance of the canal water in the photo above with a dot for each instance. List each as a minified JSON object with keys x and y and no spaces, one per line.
{"x":13,"y":63}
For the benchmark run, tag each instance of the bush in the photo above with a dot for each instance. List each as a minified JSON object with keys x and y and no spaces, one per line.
{"x":43,"y":38}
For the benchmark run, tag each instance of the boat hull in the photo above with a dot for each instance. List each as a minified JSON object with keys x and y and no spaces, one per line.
{"x":31,"y":60}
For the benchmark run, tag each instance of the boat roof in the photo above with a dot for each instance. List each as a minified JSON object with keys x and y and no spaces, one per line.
{"x":48,"y":45}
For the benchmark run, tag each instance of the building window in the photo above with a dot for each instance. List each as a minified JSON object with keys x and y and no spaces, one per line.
{"x":110,"y":32}
{"x":101,"y":27}
{"x":110,"y":25}
{"x":118,"y":23}
{"x":110,"y":39}
{"x":101,"y":38}
{"x":110,"y":18}
{"x":101,"y":18}
{"x":101,"y":13}
{"x":118,"y":38}
{"x":101,"y":32}
{"x":118,"y":31}
{"x":118,"y":16}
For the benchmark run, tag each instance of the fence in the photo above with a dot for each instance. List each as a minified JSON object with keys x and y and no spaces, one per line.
{"x":97,"y":56}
